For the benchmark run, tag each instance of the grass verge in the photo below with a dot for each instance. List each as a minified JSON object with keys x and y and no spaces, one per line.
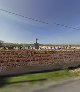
{"x":50,"y":75}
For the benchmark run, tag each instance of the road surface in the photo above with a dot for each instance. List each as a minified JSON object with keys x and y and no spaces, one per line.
{"x":71,"y":86}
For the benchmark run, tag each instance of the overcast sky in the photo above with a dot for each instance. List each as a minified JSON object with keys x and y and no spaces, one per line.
{"x":16,"y":29}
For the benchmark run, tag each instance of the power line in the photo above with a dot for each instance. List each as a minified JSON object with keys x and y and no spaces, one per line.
{"x":36,"y":20}
{"x":33,"y":19}
{"x":66,"y":26}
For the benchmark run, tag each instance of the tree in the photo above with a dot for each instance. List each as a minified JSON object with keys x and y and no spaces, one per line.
{"x":1,"y":42}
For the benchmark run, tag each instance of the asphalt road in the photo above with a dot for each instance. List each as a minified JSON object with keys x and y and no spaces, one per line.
{"x":72,"y":86}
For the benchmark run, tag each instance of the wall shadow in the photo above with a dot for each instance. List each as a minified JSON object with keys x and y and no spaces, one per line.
{"x":4,"y":81}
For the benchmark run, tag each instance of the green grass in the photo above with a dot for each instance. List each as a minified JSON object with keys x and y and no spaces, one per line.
{"x":50,"y":75}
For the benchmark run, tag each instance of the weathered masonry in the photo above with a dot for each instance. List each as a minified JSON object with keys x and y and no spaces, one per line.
{"x":25,"y":61}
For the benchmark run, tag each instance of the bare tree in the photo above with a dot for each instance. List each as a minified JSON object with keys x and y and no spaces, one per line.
{"x":1,"y":42}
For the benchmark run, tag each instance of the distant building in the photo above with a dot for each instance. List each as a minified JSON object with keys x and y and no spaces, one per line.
{"x":36,"y":44}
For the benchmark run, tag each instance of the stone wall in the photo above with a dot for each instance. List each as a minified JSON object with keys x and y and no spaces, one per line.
{"x":11,"y":59}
